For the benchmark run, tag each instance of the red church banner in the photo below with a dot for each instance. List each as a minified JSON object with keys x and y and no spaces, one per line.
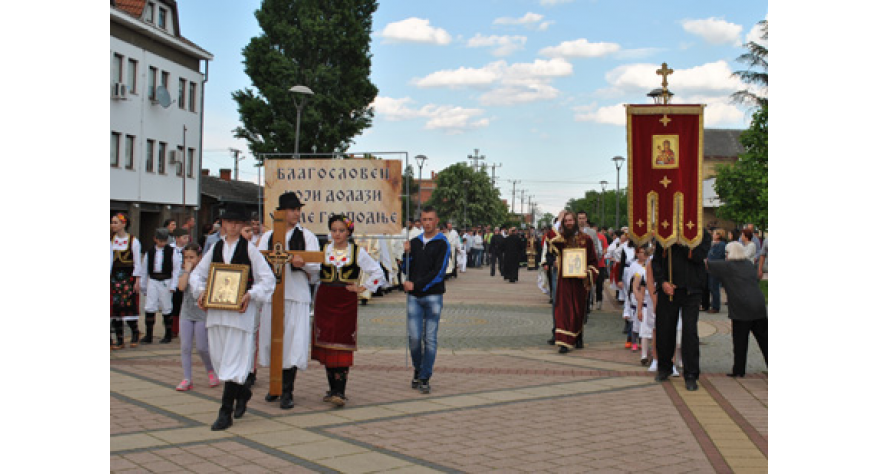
{"x":665,"y":147}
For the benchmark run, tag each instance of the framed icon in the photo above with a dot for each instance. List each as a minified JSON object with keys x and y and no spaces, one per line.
{"x":226,"y":286}
{"x":574,"y":262}
{"x":664,"y":151}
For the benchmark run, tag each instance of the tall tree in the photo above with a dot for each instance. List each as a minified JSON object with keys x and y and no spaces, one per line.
{"x":460,"y":190}
{"x":756,"y":60}
{"x":743,"y":187}
{"x":323,"y":45}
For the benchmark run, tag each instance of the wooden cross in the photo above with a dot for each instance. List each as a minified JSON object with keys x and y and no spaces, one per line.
{"x":278,"y":258}
{"x":665,"y":71}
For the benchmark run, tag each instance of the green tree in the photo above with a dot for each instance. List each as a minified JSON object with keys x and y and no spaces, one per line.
{"x":756,"y":60}
{"x":743,"y":187}
{"x":462,"y":191}
{"x":323,"y":45}
{"x":594,"y":202}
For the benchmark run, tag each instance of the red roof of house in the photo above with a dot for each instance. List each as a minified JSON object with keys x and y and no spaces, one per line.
{"x":132,"y":7}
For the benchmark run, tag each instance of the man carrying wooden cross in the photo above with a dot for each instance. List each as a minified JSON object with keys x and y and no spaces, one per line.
{"x":297,"y":299}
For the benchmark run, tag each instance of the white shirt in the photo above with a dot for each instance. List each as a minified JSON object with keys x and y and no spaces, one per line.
{"x":176,"y":264}
{"x":296,"y":283}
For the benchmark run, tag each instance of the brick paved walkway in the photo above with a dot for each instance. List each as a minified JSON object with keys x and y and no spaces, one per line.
{"x":502,"y":401}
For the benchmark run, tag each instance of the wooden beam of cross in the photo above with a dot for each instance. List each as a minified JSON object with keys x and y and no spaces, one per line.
{"x":278,"y":259}
{"x":665,"y":72}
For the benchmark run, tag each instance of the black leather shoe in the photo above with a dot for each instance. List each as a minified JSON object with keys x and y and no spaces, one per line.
{"x":736,"y":375}
{"x":223,"y":421}
{"x":271,"y":398}
{"x":286,"y":401}
{"x":244,"y":395}
{"x":166,"y":339}
{"x":563,"y":350}
{"x":691,"y":385}
{"x":661,"y":377}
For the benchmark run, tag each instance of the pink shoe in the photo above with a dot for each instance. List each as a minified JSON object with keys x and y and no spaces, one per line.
{"x":213,"y":381}
{"x":184,"y":385}
{"x":635,"y":347}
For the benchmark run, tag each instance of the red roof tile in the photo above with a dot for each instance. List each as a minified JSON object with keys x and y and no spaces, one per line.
{"x":132,"y":7}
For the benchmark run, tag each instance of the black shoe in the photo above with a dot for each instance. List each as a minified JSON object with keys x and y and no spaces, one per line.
{"x":244,"y":395}
{"x":415,"y":380}
{"x":661,"y":377}
{"x":288,"y":377}
{"x":645,"y":361}
{"x":223,"y":421}
{"x":424,"y":386}
{"x":691,"y":385}
{"x":148,"y":339}
{"x":270,"y":398}
{"x":563,"y":350}
{"x":166,"y":339}
{"x":736,"y":375}
{"x":551,"y":341}
{"x":579,"y":344}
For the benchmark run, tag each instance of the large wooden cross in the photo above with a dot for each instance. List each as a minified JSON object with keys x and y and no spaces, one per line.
{"x":278,"y":259}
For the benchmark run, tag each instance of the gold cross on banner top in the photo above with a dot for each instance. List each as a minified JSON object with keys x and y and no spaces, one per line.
{"x":665,"y":71}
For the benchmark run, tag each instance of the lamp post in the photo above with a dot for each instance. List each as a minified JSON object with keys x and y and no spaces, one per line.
{"x":420,"y":160}
{"x":299,"y":104}
{"x":618,"y":162}
{"x":603,"y":183}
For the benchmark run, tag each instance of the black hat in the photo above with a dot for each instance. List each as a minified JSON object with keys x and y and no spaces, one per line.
{"x":234,"y":211}
{"x":288,"y":200}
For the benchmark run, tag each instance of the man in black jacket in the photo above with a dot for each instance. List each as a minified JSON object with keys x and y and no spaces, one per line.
{"x":681,"y":290}
{"x":429,"y":254}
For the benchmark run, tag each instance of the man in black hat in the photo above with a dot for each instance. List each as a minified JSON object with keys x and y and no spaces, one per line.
{"x":297,"y":300}
{"x":231,"y":333}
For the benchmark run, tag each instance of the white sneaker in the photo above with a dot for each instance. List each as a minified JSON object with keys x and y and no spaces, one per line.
{"x":675,"y":372}
{"x":653,"y":367}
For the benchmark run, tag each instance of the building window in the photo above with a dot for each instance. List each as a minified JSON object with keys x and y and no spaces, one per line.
{"x":165,"y":76}
{"x":116,"y":68}
{"x":151,"y":146}
{"x":192,"y":96}
{"x":190,"y":160}
{"x":131,"y":76}
{"x":181,"y":93}
{"x":163,"y":15}
{"x":129,"y":152}
{"x":180,"y":161}
{"x":151,"y":83}
{"x":161,"y":157}
{"x":115,"y":138}
{"x":150,"y":12}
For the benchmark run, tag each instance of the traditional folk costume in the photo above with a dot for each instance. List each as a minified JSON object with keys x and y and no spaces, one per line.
{"x":297,"y":302}
{"x":231,"y":333}
{"x":571,"y":293}
{"x":125,"y":268}
{"x":334,"y":336}
{"x":371,"y":246}
{"x":161,"y":271}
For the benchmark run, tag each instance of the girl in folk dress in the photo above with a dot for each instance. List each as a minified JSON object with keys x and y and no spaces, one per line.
{"x":192,"y":323}
{"x":125,"y":281}
{"x":334,"y":333}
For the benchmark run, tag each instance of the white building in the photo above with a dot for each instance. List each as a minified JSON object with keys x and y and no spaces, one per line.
{"x":156,"y":90}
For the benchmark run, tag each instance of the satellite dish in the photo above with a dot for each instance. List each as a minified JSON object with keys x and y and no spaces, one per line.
{"x":163,"y":97}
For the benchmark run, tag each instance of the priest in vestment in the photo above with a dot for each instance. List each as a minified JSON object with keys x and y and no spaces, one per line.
{"x":571,"y":293}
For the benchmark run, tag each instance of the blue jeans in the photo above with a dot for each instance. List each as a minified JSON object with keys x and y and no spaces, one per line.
{"x":715,"y":292}
{"x":422,"y":320}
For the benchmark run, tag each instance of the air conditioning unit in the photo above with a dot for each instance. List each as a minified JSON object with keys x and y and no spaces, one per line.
{"x":175,"y":156}
{"x":120,"y":91}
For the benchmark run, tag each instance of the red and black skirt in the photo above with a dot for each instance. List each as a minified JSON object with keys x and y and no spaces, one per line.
{"x":124,"y":300}
{"x":334,"y":330}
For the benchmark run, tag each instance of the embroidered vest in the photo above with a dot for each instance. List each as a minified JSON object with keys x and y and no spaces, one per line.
{"x":124,"y":258}
{"x":239,"y":257}
{"x":348,"y":272}
{"x":167,"y":261}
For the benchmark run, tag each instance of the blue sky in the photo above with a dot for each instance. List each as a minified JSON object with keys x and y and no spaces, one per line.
{"x":536,"y":85}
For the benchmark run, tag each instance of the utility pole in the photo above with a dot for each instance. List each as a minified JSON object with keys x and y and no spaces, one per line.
{"x":494,"y":165}
{"x":513,"y":197}
{"x":476,"y":157}
{"x":522,"y":199}
{"x":237,"y":159}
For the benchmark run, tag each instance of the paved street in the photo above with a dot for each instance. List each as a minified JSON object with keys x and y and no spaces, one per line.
{"x":503,"y":400}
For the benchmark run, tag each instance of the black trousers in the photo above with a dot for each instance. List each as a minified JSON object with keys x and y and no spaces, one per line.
{"x":667,"y":320}
{"x":740,"y":331}
{"x":600,"y":282}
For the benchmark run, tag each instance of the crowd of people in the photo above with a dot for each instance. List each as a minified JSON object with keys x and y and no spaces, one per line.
{"x":660,"y":292}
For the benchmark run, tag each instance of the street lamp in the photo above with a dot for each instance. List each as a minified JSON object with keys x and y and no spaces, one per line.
{"x":618,"y":162}
{"x":603,"y":183}
{"x":420,"y":160}
{"x":299,"y":104}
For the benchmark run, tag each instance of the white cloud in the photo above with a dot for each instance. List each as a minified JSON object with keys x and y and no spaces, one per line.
{"x":415,"y":30}
{"x":611,"y":114}
{"x":714,"y":30}
{"x":755,"y":35}
{"x":527,"y":19}
{"x":509,"y":83}
{"x":642,"y":77}
{"x":580,"y":48}
{"x":446,"y":118}
{"x":550,"y":3}
{"x":503,"y":45}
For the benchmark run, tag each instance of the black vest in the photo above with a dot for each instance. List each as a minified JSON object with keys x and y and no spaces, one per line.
{"x":349,"y":273}
{"x":239,"y":257}
{"x":167,"y":263}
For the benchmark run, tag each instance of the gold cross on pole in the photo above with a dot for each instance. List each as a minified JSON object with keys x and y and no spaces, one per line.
{"x":665,"y":72}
